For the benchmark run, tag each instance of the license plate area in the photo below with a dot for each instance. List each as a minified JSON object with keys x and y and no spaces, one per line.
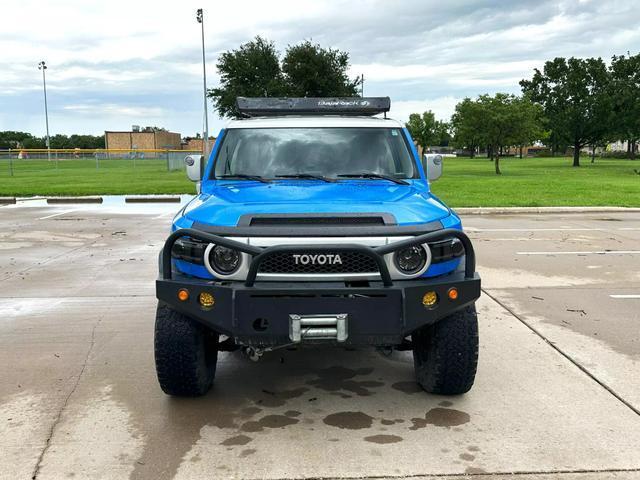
{"x":329,"y":327}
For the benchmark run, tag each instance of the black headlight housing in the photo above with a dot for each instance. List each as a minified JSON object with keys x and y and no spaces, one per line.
{"x":410,"y":260}
{"x":446,"y":250}
{"x":224,"y":260}
{"x":189,"y":250}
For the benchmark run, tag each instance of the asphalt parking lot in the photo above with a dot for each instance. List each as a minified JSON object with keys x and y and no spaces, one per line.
{"x":557,"y":394}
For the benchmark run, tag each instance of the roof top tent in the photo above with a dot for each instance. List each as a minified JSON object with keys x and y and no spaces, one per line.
{"x":357,"y":106}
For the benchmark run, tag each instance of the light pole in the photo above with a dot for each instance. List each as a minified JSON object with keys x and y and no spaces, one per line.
{"x":200,"y":18}
{"x":42,"y":66}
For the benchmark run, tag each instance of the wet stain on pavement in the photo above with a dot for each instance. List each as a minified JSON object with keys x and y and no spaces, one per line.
{"x":386,"y":421}
{"x":446,"y":403}
{"x":441,"y":417}
{"x":407,"y":387}
{"x":467,"y":457}
{"x":337,"y":378}
{"x":292,"y":413}
{"x":269,"y":421}
{"x":237,"y":440}
{"x":446,"y":417}
{"x":349,"y":420}
{"x":474,"y":470}
{"x":246,"y":452}
{"x":383,"y":439}
{"x":278,"y":399}
{"x":250,"y":411}
{"x":473,"y":448}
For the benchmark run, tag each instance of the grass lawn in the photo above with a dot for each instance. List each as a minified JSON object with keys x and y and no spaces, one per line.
{"x":539,"y":182}
{"x":81,"y":177}
{"x":466,"y":182}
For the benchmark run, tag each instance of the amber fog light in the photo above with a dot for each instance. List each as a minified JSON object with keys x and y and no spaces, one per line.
{"x":183,"y":294}
{"x":429,"y":299}
{"x":206,"y":300}
{"x":453,"y":293}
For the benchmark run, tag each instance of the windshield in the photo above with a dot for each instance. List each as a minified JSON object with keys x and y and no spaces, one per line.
{"x":326,"y":152}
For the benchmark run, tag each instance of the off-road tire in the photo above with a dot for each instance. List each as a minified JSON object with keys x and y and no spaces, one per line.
{"x":445,"y":354}
{"x":186,"y":354}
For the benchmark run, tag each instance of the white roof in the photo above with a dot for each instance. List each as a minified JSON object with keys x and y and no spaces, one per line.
{"x":291,"y":121}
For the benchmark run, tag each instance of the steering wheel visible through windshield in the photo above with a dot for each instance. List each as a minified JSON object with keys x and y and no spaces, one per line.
{"x":323,"y":151}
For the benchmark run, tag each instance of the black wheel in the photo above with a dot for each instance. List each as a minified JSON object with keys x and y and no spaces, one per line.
{"x":445,"y":354}
{"x":186,"y":354}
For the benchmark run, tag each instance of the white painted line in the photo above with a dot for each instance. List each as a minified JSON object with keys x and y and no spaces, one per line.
{"x":625,"y":296}
{"x":627,"y":229}
{"x":595,"y":252}
{"x":56,"y":214}
{"x":163,"y":215}
{"x":472,"y":229}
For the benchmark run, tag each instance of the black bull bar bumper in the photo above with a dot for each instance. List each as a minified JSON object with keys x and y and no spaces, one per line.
{"x":261,"y":313}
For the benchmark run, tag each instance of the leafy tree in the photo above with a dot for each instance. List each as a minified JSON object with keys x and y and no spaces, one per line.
{"x":312,"y":71}
{"x":625,"y":93}
{"x":574,"y":95}
{"x":422,"y":128}
{"x":442,"y":133}
{"x":13,"y":139}
{"x":467,"y":125}
{"x":528,"y":122}
{"x":253,"y":70}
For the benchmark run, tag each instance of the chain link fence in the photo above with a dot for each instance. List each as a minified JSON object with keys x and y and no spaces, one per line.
{"x":24,"y":161}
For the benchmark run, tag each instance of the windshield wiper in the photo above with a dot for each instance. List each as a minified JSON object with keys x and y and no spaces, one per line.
{"x":257,"y":178}
{"x":307,"y":175}
{"x":374,"y":175}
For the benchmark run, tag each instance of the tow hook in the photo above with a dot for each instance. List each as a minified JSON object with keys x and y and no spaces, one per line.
{"x":254,"y":354}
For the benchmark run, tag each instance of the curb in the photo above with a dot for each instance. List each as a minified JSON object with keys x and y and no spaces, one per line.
{"x":152,"y":199}
{"x":538,"y":210}
{"x":65,"y":200}
{"x":7,"y":200}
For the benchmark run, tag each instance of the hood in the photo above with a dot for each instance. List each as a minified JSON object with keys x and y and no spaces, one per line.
{"x":224,"y":204}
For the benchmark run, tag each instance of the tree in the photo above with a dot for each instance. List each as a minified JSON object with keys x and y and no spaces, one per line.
{"x":574,"y":95}
{"x":253,"y":70}
{"x":442,"y":133}
{"x":527,"y":122}
{"x":422,"y":128}
{"x":312,"y":71}
{"x":625,"y":93}
{"x":467,"y":125}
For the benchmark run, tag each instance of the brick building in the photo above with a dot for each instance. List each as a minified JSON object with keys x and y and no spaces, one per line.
{"x":144,"y":140}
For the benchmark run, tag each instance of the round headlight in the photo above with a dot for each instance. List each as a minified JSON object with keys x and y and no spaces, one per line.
{"x":224,"y":260}
{"x":410,"y":260}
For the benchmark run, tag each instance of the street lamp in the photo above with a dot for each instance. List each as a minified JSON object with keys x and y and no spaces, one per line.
{"x":42,"y":66}
{"x":200,"y":18}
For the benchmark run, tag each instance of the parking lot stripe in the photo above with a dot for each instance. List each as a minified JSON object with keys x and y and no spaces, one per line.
{"x":625,"y":296}
{"x":594,"y":252}
{"x":57,"y":214}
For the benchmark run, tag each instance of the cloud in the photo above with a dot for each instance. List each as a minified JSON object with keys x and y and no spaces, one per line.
{"x":114,"y":62}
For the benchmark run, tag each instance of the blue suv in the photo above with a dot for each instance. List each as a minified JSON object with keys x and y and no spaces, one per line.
{"x":314,"y":224}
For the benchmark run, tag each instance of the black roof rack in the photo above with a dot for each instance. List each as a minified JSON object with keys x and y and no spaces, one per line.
{"x":270,"y":106}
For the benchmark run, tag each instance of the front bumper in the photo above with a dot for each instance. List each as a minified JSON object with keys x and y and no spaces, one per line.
{"x":260,"y":313}
{"x":377,"y":315}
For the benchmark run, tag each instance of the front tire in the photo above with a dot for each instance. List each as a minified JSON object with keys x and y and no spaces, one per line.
{"x":445,"y":354}
{"x":186,"y":354}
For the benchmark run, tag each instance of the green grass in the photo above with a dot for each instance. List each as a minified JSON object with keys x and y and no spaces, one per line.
{"x":539,"y":182}
{"x":465,"y":183}
{"x":81,"y":177}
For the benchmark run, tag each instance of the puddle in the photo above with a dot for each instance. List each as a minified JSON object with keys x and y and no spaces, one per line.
{"x":269,"y":421}
{"x":446,"y":417}
{"x":338,"y":379}
{"x":349,"y":420}
{"x":407,"y":387}
{"x":237,"y":440}
{"x":274,"y":399}
{"x":384,"y":439}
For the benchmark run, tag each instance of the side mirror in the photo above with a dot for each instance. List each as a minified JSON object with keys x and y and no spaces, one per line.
{"x":432,"y":164}
{"x":194,"y":167}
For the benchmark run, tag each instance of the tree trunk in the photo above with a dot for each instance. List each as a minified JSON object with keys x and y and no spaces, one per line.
{"x":593,"y":154}
{"x":633,"y":149}
{"x":490,"y":153}
{"x":521,"y":147}
{"x":497,"y":164}
{"x":473,"y":152}
{"x":629,"y":150}
{"x":576,"y":154}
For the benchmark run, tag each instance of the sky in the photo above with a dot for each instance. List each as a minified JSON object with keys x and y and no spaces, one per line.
{"x":113,"y":64}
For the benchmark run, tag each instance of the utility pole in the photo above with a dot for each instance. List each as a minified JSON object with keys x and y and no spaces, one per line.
{"x":200,"y":18}
{"x":362,"y":86}
{"x":42,"y":66}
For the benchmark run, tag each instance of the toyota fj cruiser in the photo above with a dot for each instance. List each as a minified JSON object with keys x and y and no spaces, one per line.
{"x":314,"y":224}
